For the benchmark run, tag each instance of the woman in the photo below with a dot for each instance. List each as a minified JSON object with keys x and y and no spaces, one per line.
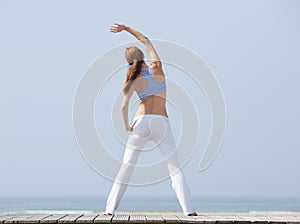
{"x":150,"y":122}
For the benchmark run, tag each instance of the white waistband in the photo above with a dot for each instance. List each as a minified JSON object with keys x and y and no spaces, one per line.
{"x":150,"y":115}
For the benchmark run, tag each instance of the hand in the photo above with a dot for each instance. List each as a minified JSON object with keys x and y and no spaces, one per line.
{"x":130,"y":127}
{"x":117,"y":28}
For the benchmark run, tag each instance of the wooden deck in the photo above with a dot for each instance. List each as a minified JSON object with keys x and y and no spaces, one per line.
{"x":28,"y":217}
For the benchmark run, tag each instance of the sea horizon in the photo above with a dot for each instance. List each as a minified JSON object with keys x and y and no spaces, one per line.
{"x":156,"y":203}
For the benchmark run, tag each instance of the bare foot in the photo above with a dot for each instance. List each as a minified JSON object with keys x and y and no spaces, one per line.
{"x":106,"y":213}
{"x":193,"y":214}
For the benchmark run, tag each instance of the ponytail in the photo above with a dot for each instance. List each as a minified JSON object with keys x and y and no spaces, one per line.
{"x":132,"y":73}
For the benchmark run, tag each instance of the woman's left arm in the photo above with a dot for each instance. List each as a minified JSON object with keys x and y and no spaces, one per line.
{"x":125,"y":103}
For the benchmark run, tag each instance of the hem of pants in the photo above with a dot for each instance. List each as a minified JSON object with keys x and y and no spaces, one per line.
{"x":109,"y":211}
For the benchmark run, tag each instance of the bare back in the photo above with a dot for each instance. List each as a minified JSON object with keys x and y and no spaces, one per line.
{"x":155,"y":104}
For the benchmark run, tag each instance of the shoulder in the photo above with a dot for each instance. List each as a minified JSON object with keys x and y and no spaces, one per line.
{"x":155,"y":64}
{"x":155,"y":68}
{"x":138,"y":82}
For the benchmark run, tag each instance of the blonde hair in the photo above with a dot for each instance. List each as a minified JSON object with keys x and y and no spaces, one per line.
{"x":135,"y":58}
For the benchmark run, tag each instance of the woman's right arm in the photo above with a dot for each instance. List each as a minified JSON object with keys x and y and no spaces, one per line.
{"x":145,"y":40}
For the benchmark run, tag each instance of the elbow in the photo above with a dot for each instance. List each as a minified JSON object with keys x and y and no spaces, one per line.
{"x":145,"y":40}
{"x":124,"y":108}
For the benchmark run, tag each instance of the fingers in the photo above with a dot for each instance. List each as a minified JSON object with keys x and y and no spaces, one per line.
{"x":116,"y":25}
{"x":115,"y":28}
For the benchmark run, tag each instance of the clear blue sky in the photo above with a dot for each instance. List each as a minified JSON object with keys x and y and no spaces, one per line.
{"x":253,"y":47}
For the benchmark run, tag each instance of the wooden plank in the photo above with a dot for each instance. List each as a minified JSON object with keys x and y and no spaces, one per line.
{"x":103,"y":218}
{"x":28,"y":217}
{"x":35,"y":218}
{"x":120,"y":218}
{"x":221,"y":218}
{"x":53,"y":218}
{"x":239,"y":218}
{"x":234,"y":218}
{"x":5,"y":217}
{"x":140,"y":218}
{"x":87,"y":218}
{"x":186,"y":219}
{"x":168,"y":218}
{"x":70,"y":218}
{"x":204,"y":219}
{"x":264,"y":217}
{"x":285,"y":219}
{"x":269,"y":218}
{"x":153,"y":218}
{"x":18,"y":218}
{"x":254,"y":218}
{"x":3,"y":214}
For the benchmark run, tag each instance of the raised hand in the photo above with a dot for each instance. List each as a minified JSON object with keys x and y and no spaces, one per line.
{"x":117,"y":28}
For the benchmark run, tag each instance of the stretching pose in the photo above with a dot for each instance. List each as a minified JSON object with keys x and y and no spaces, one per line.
{"x":150,"y":122}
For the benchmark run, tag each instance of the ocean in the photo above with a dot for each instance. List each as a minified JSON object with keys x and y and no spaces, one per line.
{"x":150,"y":204}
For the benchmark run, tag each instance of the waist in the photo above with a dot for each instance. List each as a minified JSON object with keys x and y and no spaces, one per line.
{"x":152,"y":105}
{"x":139,"y":116}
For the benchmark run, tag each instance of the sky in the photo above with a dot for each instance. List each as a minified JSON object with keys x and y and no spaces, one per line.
{"x":252,"y":47}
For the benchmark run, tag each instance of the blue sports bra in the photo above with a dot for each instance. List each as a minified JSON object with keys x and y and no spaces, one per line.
{"x":152,"y":87}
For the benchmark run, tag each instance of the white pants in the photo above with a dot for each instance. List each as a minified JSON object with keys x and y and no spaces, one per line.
{"x":157,"y":128}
